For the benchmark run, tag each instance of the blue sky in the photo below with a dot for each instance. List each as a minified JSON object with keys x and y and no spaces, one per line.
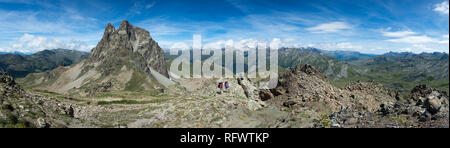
{"x":368,"y":26}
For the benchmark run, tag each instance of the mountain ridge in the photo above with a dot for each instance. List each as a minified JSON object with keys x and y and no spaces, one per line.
{"x":21,"y":65}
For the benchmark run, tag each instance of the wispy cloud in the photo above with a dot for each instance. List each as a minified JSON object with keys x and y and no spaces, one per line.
{"x":332,"y":27}
{"x":414,"y":40}
{"x":30,"y":43}
{"x":140,"y":6}
{"x":346,"y":46}
{"x":411,"y":37}
{"x":31,"y":31}
{"x":239,"y":5}
{"x":420,"y":48}
{"x":442,"y":8}
{"x":398,"y":33}
{"x":150,"y":5}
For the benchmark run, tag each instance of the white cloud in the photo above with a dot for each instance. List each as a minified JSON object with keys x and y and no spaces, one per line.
{"x":332,"y":27}
{"x":421,"y":48}
{"x":148,"y":6}
{"x":405,"y":50}
{"x":29,"y":44}
{"x":6,"y":50}
{"x":71,"y":30}
{"x":414,"y":40}
{"x":214,"y":45}
{"x":398,"y":33}
{"x":346,"y":46}
{"x":418,"y":40}
{"x":243,"y":44}
{"x":180,"y":45}
{"x":442,"y":8}
{"x":411,"y":37}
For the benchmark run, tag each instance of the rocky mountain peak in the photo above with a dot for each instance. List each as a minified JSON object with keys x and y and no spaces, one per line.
{"x":110,"y":28}
{"x":132,"y":42}
{"x":310,"y":70}
{"x":125,"y":25}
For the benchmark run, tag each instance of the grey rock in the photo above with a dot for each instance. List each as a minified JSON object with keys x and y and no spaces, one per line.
{"x":351,"y":121}
{"x":131,"y":40}
{"x":433,"y":104}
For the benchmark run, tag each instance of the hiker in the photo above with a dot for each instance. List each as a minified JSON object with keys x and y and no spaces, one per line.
{"x":220,"y":87}
{"x":227,"y":85}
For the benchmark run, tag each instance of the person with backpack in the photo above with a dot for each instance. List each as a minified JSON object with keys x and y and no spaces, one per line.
{"x":220,"y":86}
{"x":227,"y":85}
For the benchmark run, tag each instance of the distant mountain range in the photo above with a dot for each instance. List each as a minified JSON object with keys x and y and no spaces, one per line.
{"x":347,"y":55}
{"x":20,"y":65}
{"x":16,"y":52}
{"x":400,"y":71}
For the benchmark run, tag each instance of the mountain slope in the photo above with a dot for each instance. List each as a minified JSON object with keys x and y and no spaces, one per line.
{"x":21,"y":109}
{"x":124,"y":59}
{"x":400,"y":71}
{"x":406,"y":70}
{"x":21,"y":65}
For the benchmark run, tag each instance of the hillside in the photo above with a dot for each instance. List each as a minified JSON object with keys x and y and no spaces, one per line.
{"x":405,"y":70}
{"x":21,"y":109}
{"x":21,"y":65}
{"x":399,"y":71}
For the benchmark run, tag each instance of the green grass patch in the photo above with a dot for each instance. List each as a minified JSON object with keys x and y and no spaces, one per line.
{"x":130,"y":94}
{"x":400,"y":119}
{"x":135,"y":84}
{"x":131,"y":102}
{"x":306,"y":116}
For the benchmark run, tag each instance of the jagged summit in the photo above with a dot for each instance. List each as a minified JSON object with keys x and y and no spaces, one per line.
{"x":129,"y":40}
{"x":126,"y":58}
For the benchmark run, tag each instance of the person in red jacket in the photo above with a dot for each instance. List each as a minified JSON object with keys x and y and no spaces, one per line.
{"x":220,"y":87}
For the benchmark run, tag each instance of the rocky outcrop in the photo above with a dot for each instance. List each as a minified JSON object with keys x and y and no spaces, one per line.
{"x":425,"y":107}
{"x":425,"y":104}
{"x":8,"y":86}
{"x":256,"y":98}
{"x":20,"y":109}
{"x":130,"y":40}
{"x":310,"y":70}
{"x":305,"y":86}
{"x":265,"y":95}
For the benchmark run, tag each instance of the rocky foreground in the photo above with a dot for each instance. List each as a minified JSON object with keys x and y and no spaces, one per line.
{"x":20,"y":109}
{"x":303,"y":99}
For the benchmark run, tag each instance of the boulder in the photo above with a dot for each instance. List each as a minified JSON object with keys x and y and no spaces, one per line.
{"x":432,"y":104}
{"x":289,"y":104}
{"x":265,"y":95}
